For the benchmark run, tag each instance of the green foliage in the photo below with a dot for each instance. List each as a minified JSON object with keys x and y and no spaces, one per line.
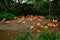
{"x":51,"y":17}
{"x":58,"y":17}
{"x":43,"y":35}
{"x":47,"y":17}
{"x":42,"y":7}
{"x":48,"y":36}
{"x":6,"y":15}
{"x":38,"y":8}
{"x":25,"y":36}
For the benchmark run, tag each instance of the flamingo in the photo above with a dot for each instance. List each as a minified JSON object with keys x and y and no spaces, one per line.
{"x":38,"y":30}
{"x":19,"y":21}
{"x":31,"y":27}
{"x":38,"y":24}
{"x":37,"y":16}
{"x":46,"y":26}
{"x":55,"y":21}
{"x":49,"y":25}
{"x":23,"y":22}
{"x":54,"y":25}
{"x":34,"y":18}
{"x":15,"y":17}
{"x":57,"y":25}
{"x":22,"y":16}
{"x":8,"y":22}
{"x":22,"y":19}
{"x":28,"y":16}
{"x":40,"y":20}
{"x":30,"y":19}
{"x":31,"y":16}
{"x":3,"y":20}
{"x":42,"y":17}
{"x":12,"y":21}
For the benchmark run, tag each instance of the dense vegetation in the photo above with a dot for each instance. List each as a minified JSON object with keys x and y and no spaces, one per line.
{"x":6,"y":16}
{"x":39,"y":7}
{"x":44,"y":34}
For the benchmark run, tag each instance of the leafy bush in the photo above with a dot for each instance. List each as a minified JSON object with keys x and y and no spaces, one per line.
{"x":51,"y":17}
{"x":47,"y":17}
{"x":6,"y":15}
{"x":58,"y":17}
{"x":43,"y":35}
{"x":48,"y":35}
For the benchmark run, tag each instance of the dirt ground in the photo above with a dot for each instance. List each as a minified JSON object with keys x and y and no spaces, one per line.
{"x":9,"y":32}
{"x":18,"y":26}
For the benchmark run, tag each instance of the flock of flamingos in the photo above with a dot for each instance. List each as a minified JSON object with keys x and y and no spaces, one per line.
{"x":40,"y":19}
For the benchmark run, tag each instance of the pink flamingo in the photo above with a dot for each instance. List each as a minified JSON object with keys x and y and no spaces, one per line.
{"x":37,"y":30}
{"x":40,"y":20}
{"x":55,"y":25}
{"x":55,"y":20}
{"x":38,"y":24}
{"x":49,"y":24}
{"x":19,"y":21}
{"x":13,"y":21}
{"x":31,"y":27}
{"x":15,"y":17}
{"x":23,"y":22}
{"x":31,"y":16}
{"x":34,"y":18}
{"x":46,"y":26}
{"x":42,"y":17}
{"x":31,"y":19}
{"x":8,"y":22}
{"x":3,"y":20}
